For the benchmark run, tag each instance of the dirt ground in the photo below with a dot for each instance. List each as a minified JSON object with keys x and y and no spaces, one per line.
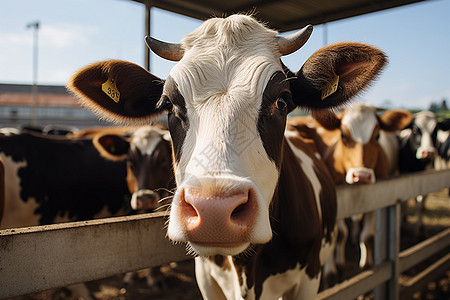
{"x":179,"y":279}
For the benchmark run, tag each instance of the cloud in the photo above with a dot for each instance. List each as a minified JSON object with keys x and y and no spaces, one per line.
{"x":65,"y":35}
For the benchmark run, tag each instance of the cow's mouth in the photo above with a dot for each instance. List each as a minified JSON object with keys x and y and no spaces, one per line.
{"x":212,"y":249}
{"x":218,"y":245}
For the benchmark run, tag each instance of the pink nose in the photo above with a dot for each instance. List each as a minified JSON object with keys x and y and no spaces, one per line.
{"x":362,"y":177}
{"x":221,"y":221}
{"x":427,"y":154}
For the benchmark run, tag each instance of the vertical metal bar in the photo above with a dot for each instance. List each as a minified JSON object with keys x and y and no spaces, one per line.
{"x":148,"y":7}
{"x":393,"y":218}
{"x":325,"y":34}
{"x":34,"y":87}
{"x":386,"y":247}
{"x":380,"y":246}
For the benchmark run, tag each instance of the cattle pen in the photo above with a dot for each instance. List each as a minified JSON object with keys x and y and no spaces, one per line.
{"x":43,"y":257}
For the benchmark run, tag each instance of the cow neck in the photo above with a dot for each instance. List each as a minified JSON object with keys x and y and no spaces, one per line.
{"x":297,"y":228}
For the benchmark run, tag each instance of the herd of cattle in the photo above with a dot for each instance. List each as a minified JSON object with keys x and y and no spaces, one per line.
{"x":250,"y":190}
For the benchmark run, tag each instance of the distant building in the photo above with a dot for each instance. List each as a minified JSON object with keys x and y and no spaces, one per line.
{"x":54,"y":106}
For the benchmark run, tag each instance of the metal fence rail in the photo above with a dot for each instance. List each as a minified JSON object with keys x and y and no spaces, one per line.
{"x":43,"y":257}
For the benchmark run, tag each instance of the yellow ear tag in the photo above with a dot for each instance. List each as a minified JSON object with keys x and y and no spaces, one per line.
{"x":110,"y":89}
{"x":331,"y":87}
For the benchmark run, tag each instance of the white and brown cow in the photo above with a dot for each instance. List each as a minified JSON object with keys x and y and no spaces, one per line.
{"x":257,"y":209}
{"x":349,"y":144}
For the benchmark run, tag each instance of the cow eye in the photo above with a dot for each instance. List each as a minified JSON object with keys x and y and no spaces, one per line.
{"x":281,"y":103}
{"x":167,"y":104}
{"x":344,"y":137}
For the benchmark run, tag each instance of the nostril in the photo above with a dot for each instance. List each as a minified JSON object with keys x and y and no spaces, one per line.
{"x":189,"y":211}
{"x":239,"y":212}
{"x":242,"y":213}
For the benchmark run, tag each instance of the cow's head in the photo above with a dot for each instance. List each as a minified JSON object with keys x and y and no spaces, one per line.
{"x":227,"y":98}
{"x":421,"y":135}
{"x":357,"y":157}
{"x":149,"y":165}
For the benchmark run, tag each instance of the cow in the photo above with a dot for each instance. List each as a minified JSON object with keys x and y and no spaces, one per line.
{"x":423,"y":145}
{"x":349,"y":144}
{"x":149,"y":163}
{"x":149,"y":173}
{"x":51,"y":179}
{"x":256,"y":208}
{"x":420,"y":142}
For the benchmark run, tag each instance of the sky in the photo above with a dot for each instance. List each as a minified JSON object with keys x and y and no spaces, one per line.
{"x":75,"y":33}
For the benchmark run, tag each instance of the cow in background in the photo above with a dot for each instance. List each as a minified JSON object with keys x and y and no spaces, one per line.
{"x":149,"y":168}
{"x":238,"y":178}
{"x":424,"y":144}
{"x":147,"y":153}
{"x":349,"y":145}
{"x":54,"y":179}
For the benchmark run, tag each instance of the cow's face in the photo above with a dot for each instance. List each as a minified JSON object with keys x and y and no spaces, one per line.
{"x":358,"y":156}
{"x":222,"y":97}
{"x":227,"y":99}
{"x":149,"y":166}
{"x":421,"y":135}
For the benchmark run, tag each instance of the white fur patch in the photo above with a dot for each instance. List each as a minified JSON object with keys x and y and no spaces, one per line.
{"x":360,"y":119}
{"x":147,"y":138}
{"x":17,"y":213}
{"x":307,"y":165}
{"x":426,"y":121}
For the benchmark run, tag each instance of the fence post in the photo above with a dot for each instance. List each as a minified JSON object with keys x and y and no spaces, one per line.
{"x":380,"y":246}
{"x":386,"y":248}
{"x":393,"y":218}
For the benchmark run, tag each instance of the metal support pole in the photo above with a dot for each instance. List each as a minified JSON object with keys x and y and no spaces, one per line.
{"x":325,"y":34}
{"x":148,"y":7}
{"x":387,"y":245}
{"x":393,"y":218}
{"x":34,"y":88}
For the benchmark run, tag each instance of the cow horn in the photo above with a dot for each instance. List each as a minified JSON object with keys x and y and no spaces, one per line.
{"x":291,"y":43}
{"x":173,"y":52}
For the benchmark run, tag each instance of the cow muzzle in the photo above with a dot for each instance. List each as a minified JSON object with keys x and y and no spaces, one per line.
{"x":144,"y":199}
{"x":215,"y":219}
{"x":426,"y":153}
{"x":360,"y":175}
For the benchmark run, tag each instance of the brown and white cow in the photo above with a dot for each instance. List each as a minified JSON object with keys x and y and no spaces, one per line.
{"x":258,"y":210}
{"x":349,"y":144}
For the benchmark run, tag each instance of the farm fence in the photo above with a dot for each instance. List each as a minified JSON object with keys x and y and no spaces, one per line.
{"x":38,"y":258}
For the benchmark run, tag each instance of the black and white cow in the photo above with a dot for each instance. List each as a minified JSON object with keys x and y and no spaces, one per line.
{"x":149,"y":163}
{"x":256,"y":208}
{"x":51,"y":179}
{"x":149,"y":174}
{"x":424,"y":144}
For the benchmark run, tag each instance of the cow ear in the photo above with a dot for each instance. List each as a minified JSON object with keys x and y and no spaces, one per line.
{"x":395,"y":120}
{"x":111,"y":146}
{"x":444,"y":125}
{"x":336,"y":73}
{"x":327,"y":119}
{"x":119,"y":91}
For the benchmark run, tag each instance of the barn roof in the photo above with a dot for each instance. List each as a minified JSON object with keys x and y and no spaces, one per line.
{"x":283,"y":15}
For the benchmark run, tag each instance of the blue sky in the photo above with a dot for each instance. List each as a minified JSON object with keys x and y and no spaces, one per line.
{"x":75,"y":33}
